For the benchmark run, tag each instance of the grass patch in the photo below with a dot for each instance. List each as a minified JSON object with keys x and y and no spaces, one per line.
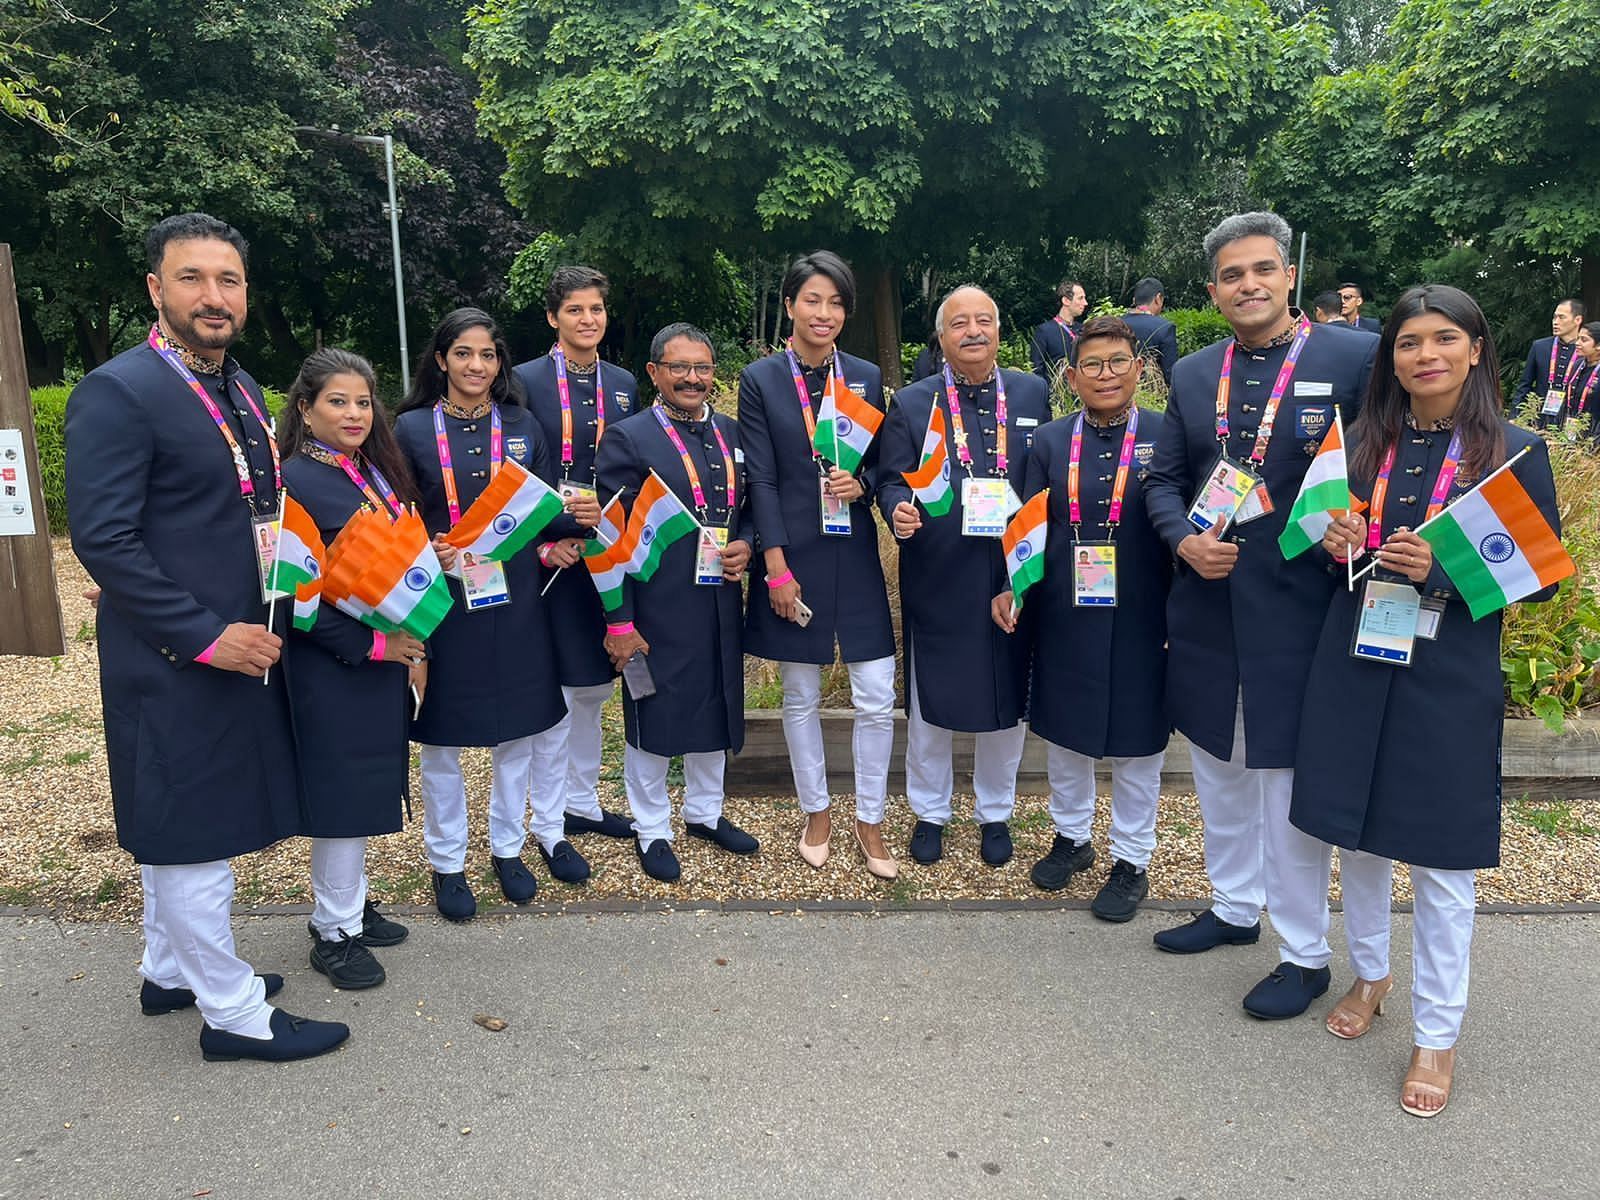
{"x":1553,"y":818}
{"x":73,"y":757}
{"x":109,"y":890}
{"x":86,"y":632}
{"x":16,"y":766}
{"x":18,"y":897}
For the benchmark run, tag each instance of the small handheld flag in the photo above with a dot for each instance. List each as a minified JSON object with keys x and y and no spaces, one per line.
{"x":846,"y":425}
{"x":930,"y":482}
{"x":1024,"y":542}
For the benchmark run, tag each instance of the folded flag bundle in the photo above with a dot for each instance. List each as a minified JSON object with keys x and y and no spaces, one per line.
{"x":387,"y":575}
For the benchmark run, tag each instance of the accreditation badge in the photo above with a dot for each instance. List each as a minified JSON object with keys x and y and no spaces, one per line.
{"x":264,"y":533}
{"x":1386,"y":623}
{"x":708,"y":561}
{"x":835,"y":512}
{"x":1094,"y":574}
{"x":1257,"y":504}
{"x":483,"y":583}
{"x":1428,"y":618}
{"x":984,"y":507}
{"x":570,"y":489}
{"x":1227,"y":485}
{"x":1554,"y":399}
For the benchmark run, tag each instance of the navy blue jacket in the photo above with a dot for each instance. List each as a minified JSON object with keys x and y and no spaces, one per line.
{"x":1256,"y":629}
{"x":202,"y":760}
{"x":1369,"y":325}
{"x":841,"y":578}
{"x":576,"y":617}
{"x":1536,"y":371}
{"x":1158,"y":339}
{"x":971,"y":675}
{"x":1404,"y":762}
{"x":1050,"y":346}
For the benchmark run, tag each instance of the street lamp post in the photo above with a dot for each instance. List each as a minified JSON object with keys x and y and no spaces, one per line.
{"x":393,"y":207}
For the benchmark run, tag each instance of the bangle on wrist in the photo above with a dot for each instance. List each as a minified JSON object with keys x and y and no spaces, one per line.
{"x":780,"y":580}
{"x":620,"y":630}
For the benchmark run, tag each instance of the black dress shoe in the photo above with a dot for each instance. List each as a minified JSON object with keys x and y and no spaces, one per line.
{"x":1287,"y":992}
{"x":453,"y":896}
{"x":995,"y":846}
{"x":1119,"y":898}
{"x":348,"y":964}
{"x":158,"y":1001}
{"x":610,"y":824}
{"x":566,"y":865}
{"x":927,"y":843}
{"x":1066,"y":858}
{"x":726,"y":835}
{"x":658,"y":860}
{"x":1204,"y":933}
{"x":292,"y":1037}
{"x":516,"y":881}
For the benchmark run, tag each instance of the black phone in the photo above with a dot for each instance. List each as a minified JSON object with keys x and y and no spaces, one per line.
{"x":636,"y":674}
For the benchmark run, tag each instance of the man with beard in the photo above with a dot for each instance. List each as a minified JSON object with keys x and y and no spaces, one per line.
{"x":173,"y":494}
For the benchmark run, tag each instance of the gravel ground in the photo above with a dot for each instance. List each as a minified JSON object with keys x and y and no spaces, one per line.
{"x":58,"y":847}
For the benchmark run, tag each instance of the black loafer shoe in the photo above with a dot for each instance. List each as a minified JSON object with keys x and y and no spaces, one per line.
{"x":1119,"y":897}
{"x":158,"y":1001}
{"x":995,"y":847}
{"x":348,"y":964}
{"x":566,"y":865}
{"x":292,"y":1037}
{"x":1204,"y":933}
{"x":1287,"y":992}
{"x":1066,"y":858}
{"x":927,"y":843}
{"x":658,"y":860}
{"x":726,"y":835}
{"x":453,"y":896}
{"x":516,"y":882}
{"x":610,"y":824}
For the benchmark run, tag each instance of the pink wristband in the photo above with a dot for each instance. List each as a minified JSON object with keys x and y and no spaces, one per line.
{"x":380,"y":642}
{"x":543,"y":549}
{"x":786,"y":577}
{"x":204,"y":656}
{"x":622,"y":630}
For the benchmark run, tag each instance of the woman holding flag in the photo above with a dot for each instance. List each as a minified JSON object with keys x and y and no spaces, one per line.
{"x":1399,"y":752}
{"x":347,"y":682}
{"x":808,"y":417}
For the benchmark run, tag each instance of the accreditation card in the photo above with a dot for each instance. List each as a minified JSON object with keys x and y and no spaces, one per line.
{"x":483,"y":584}
{"x":984,"y":507}
{"x":1227,"y":485}
{"x":1386,"y":623}
{"x":570,"y":490}
{"x":264,"y":533}
{"x":1094,"y":574}
{"x":708,"y":562}
{"x":835,"y":512}
{"x":1554,"y":399}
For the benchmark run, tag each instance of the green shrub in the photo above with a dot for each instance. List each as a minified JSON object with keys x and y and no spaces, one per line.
{"x":50,"y":428}
{"x":1197,"y":327}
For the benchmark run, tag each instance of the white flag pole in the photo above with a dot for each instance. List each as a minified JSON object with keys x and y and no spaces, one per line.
{"x":272,"y":571}
{"x":599,"y":537}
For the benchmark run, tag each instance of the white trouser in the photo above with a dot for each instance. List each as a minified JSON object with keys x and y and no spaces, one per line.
{"x":188,"y":942}
{"x":872,"y":734}
{"x":516,"y":764}
{"x":930,"y":774}
{"x":1135,"y":793}
{"x":1441,"y":938}
{"x":644,"y":775}
{"x":338,"y":886}
{"x":580,"y":731}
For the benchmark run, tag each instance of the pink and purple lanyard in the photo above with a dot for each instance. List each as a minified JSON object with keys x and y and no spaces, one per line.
{"x":1269,"y":415}
{"x":1072,"y":338}
{"x":1588,"y":388}
{"x":353,"y":473}
{"x":447,"y":472}
{"x":959,"y":429}
{"x":1118,"y":488}
{"x":566,"y":404}
{"x":241,"y":467}
{"x":1441,"y":489}
{"x":688,"y":464}
{"x":804,"y":394}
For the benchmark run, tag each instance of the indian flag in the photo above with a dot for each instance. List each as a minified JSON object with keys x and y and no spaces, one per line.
{"x":846,"y":425}
{"x":1495,"y":545}
{"x":307,"y":604}
{"x":658,"y":519}
{"x":1324,"y":494}
{"x":403,"y":583}
{"x":362,"y":537}
{"x":509,"y":514}
{"x":1023,"y":542}
{"x":605,"y":571}
{"x":930,"y":482}
{"x":300,"y":551}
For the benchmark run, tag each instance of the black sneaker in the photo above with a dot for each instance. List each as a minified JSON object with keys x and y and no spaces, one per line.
{"x":1119,"y":897}
{"x":1066,"y":858}
{"x":347,"y":963}
{"x":379,"y":930}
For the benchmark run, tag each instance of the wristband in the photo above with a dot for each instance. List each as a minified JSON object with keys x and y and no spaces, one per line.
{"x":786,"y":577}
{"x":622,"y":630}
{"x":542,"y":551}
{"x":380,"y":642}
{"x":204,"y":657}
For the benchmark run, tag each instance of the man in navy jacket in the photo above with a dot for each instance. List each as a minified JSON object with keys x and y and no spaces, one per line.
{"x":1158,"y":337}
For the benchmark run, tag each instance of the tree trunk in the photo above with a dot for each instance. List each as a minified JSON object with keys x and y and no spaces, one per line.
{"x":280,"y":331}
{"x":1589,"y":285}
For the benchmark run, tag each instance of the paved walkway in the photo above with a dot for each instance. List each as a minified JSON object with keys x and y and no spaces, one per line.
{"x":750,"y":1055}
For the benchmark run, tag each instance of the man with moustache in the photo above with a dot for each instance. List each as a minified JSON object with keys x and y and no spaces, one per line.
{"x":1053,"y":340}
{"x":962,"y":672}
{"x":1552,"y":363}
{"x":1242,"y":623}
{"x":173,"y":494}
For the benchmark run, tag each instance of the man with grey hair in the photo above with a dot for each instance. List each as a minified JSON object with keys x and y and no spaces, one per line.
{"x":962,"y":671}
{"x":1242,"y":622}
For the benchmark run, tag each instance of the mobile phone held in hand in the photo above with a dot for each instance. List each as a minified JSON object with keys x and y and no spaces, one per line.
{"x":802,"y":614}
{"x":636,"y":674}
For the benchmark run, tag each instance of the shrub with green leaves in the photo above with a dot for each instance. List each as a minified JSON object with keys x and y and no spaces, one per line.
{"x":50,"y":428}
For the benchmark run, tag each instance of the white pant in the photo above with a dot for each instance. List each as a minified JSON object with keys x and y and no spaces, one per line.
{"x":644,"y":775}
{"x":188,"y":942}
{"x":580,"y":731}
{"x":516,"y":764}
{"x":930,"y":775}
{"x":872,"y":734}
{"x":338,"y":886}
{"x":1135,"y":794}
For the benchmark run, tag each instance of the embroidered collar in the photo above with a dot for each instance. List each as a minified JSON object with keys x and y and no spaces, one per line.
{"x":966,"y":382}
{"x":1441,"y":425}
{"x":462,"y":413}
{"x":1120,"y":417}
{"x":195,"y":362}
{"x":683,"y":414}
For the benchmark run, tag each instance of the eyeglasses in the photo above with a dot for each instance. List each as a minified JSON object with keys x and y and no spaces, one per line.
{"x":682,"y":370}
{"x":1117,"y":364}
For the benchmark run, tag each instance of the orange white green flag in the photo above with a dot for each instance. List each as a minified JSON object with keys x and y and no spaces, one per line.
{"x":1023,"y":542}
{"x":297,"y":562}
{"x":511,"y":512}
{"x":658,"y":519}
{"x":361,"y":538}
{"x":930,"y":482}
{"x":604,"y":570}
{"x":846,"y":424}
{"x":1324,"y":494}
{"x":403,"y":582}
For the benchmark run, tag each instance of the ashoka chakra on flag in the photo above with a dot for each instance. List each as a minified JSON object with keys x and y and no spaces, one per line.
{"x":417,"y":579}
{"x":1497,"y":547}
{"x":504,"y":523}
{"x":1022,"y":550}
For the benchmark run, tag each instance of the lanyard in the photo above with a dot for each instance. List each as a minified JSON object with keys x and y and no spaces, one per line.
{"x":1588,"y":387}
{"x":1269,"y":415}
{"x":1441,"y":488}
{"x":447,"y":472}
{"x":241,"y":468}
{"x":353,"y":473}
{"x":804,"y":395}
{"x":688,"y":463}
{"x":960,"y":430}
{"x":1124,"y":463}
{"x":566,"y":404}
{"x":1555,"y":352}
{"x":1072,"y":338}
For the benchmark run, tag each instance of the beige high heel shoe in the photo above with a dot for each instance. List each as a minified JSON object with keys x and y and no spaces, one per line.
{"x":1431,"y":1074}
{"x":883,"y":868}
{"x":814,"y":855}
{"x":1358,"y":1006}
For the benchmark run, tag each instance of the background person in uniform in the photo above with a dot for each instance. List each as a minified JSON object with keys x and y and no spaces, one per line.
{"x":1404,"y":763}
{"x":838,"y":576}
{"x":688,"y":632}
{"x":1583,"y":393}
{"x":1158,"y":337}
{"x":962,"y":673}
{"x":1550,"y":360}
{"x":492,"y":677}
{"x":1351,"y":298}
{"x":1099,"y":673}
{"x":1328,"y":309}
{"x":348,"y":683}
{"x":171,"y":466}
{"x":598,"y":395}
{"x":1053,"y":340}
{"x":1242,"y":623}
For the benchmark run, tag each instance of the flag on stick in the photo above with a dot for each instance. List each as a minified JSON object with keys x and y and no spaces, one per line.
{"x":510,"y":513}
{"x":605,"y":571}
{"x":1324,"y":494}
{"x":930,"y":482}
{"x":846,"y":425}
{"x":1023,"y":542}
{"x":403,"y":582}
{"x":658,"y":519}
{"x":300,"y":551}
